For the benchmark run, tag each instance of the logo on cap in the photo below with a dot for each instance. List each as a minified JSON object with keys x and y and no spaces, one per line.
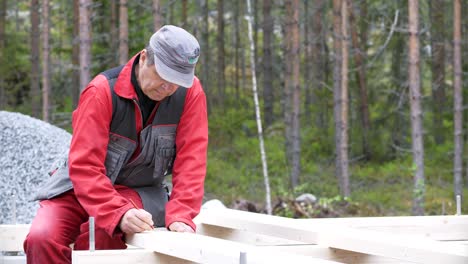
{"x":193,"y":59}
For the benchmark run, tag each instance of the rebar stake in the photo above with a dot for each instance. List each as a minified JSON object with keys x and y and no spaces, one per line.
{"x":91,"y":234}
{"x":243,"y":258}
{"x":13,"y":204}
{"x":458,"y":204}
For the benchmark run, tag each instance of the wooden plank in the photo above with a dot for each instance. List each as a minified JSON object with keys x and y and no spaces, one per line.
{"x":246,"y":237}
{"x":339,"y":255}
{"x":443,"y":228}
{"x":12,"y":259}
{"x":291,"y":246}
{"x":12,"y":237}
{"x":138,"y":256}
{"x":406,"y":248}
{"x":203,"y":249}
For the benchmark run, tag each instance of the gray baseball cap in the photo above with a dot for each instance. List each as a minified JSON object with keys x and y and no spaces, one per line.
{"x":176,"y":54}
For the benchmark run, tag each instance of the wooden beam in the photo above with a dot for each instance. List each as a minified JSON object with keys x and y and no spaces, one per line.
{"x":203,"y":249}
{"x":443,"y":228}
{"x":291,"y":246}
{"x":335,"y":254}
{"x":402,"y":247}
{"x":137,"y":256}
{"x":12,"y":237}
{"x":241,"y":236}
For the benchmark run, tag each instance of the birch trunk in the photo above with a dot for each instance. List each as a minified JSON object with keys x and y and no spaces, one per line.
{"x":257,"y":112}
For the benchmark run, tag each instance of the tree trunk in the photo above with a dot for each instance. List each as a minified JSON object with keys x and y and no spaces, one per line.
{"x":458,"y":100}
{"x":286,"y":100}
{"x":114,"y":34}
{"x":341,"y":94}
{"x":309,"y":100}
{"x":398,"y":97}
{"x":318,"y":63}
{"x":416,"y":111}
{"x":3,"y":8}
{"x":359,"y":60}
{"x":85,"y":43}
{"x":296,"y":97}
{"x":292,"y":103}
{"x":205,"y":58}
{"x":237,"y":47}
{"x":123,"y":32}
{"x":184,"y":13}
{"x":157,"y":17}
{"x":171,"y":12}
{"x":220,"y":41}
{"x":344,"y":100}
{"x":255,"y":33}
{"x":45,"y":61}
{"x":76,"y":54}
{"x":464,"y":54}
{"x":438,"y":67}
{"x":268,"y":97}
{"x":337,"y":100}
{"x":35,"y":68}
{"x":257,"y":114}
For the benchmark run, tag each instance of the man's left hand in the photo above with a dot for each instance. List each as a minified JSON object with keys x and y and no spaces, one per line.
{"x":181,"y":227}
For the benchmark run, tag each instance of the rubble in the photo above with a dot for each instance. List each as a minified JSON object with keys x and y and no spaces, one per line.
{"x":28,"y":150}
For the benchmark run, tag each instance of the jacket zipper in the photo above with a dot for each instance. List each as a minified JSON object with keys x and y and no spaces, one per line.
{"x":141,"y":115}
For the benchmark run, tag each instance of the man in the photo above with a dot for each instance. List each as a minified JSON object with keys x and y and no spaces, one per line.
{"x":134,"y":124}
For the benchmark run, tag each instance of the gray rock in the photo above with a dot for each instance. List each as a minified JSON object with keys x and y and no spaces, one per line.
{"x":306,"y":198}
{"x":28,"y":150}
{"x":213,"y":204}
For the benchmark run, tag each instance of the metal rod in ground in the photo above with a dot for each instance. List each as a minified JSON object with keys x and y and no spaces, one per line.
{"x":13,"y":204}
{"x":243,"y":258}
{"x":91,"y":234}
{"x":458,"y":204}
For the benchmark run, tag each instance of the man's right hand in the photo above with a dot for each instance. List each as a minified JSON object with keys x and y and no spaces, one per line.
{"x":136,"y":221}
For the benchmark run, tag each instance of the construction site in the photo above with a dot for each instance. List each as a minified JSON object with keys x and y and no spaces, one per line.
{"x":232,"y":236}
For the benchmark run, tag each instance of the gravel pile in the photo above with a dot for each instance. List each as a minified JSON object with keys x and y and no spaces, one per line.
{"x":28,"y":150}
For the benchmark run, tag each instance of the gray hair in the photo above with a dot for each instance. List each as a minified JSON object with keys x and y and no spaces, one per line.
{"x":149,"y":55}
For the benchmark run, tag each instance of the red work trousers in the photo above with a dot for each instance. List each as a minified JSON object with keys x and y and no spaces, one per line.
{"x":62,"y":221}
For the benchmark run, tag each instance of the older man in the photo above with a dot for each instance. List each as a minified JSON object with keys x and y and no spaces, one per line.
{"x":134,"y":125}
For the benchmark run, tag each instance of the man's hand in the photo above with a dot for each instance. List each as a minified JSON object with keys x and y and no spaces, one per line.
{"x":181,"y":227}
{"x":136,"y":221}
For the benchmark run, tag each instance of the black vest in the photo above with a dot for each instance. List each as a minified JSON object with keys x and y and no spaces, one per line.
{"x":145,"y":173}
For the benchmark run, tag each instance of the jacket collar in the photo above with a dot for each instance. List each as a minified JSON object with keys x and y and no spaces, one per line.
{"x":123,"y":86}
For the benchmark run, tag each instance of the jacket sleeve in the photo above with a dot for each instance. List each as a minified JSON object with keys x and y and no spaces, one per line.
{"x":188,"y":174}
{"x":88,"y":149}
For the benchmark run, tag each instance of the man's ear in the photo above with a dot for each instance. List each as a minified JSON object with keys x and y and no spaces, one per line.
{"x":143,"y":55}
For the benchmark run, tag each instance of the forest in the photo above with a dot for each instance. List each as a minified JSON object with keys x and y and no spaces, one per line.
{"x":360,"y":103}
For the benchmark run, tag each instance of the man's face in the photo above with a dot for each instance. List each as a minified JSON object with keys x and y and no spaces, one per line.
{"x":151,"y":83}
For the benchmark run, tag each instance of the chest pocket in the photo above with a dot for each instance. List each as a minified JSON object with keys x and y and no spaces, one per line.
{"x":165,"y":154}
{"x":116,"y":157}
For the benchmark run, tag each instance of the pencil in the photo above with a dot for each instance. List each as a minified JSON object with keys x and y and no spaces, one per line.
{"x":134,"y":204}
{"x":136,"y":207}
